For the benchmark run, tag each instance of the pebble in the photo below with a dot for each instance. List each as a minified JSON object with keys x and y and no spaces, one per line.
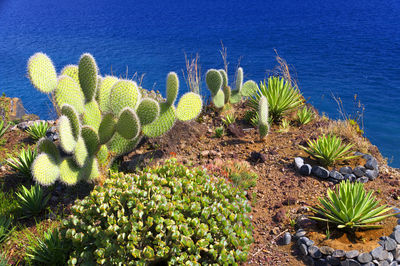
{"x":305,"y":169}
{"x":314,"y":252}
{"x":286,"y":239}
{"x":339,"y":253}
{"x":332,"y":260}
{"x":350,"y":177}
{"x":364,"y":258}
{"x":359,"y":171}
{"x":379,"y":253}
{"x":300,"y":233}
{"x":320,"y":172}
{"x":390,"y":244}
{"x":383,"y":263}
{"x":362,"y":179}
{"x":336,"y":175}
{"x":303,"y":249}
{"x":371,"y":164}
{"x":371,"y":174}
{"x":350,"y":262}
{"x":298,"y":162}
{"x":368,"y":157}
{"x":352,"y":254}
{"x":327,"y":250}
{"x":394,"y":263}
{"x":346,"y":170}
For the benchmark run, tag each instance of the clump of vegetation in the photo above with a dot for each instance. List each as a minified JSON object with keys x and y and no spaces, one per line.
{"x":351,"y":207}
{"x":3,"y":260}
{"x":23,"y":162}
{"x":328,"y":149}
{"x":305,"y":115}
{"x":38,"y":130}
{"x":167,"y":214}
{"x":219,"y":132}
{"x":3,"y":128}
{"x":5,"y":227}
{"x":229,"y":119}
{"x":31,"y":202}
{"x":284,"y":125}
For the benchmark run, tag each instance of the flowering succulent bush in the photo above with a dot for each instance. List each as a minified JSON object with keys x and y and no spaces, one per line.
{"x":167,"y":214}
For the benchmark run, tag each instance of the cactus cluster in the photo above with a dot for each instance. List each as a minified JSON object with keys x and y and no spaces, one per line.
{"x":100,"y":118}
{"x":221,"y":93}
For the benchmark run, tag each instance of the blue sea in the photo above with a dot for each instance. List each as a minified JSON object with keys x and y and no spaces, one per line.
{"x":341,"y":48}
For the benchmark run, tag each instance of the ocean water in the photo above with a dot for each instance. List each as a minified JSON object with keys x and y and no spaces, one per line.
{"x":339,"y":47}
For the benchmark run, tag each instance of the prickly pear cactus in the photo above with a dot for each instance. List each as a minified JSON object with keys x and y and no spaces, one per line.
{"x":100,"y":118}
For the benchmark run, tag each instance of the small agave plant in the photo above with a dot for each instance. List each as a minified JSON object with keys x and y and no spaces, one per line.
{"x":101,"y":118}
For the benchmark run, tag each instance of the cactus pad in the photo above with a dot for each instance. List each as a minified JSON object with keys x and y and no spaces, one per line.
{"x":236,"y":96}
{"x":119,"y":145}
{"x":239,"y":79}
{"x":104,"y":93}
{"x":88,"y":76}
{"x":72,"y":72}
{"x":69,"y":172}
{"x":90,"y":170}
{"x":45,"y":145}
{"x":67,"y":139}
{"x":263,"y":126}
{"x":102,"y":154}
{"x":42,"y":73}
{"x":219,"y":99}
{"x":128,"y":125}
{"x":214,"y":81}
{"x":91,"y":139}
{"x":224,"y":77}
{"x":69,"y":92}
{"x":70,"y":112}
{"x":148,"y":110}
{"x":189,"y":106}
{"x":45,"y":170}
{"x":92,"y":115}
{"x":172,"y":87}
{"x":249,"y":88}
{"x":163,"y":123}
{"x":81,"y":152}
{"x":124,"y":93}
{"x":107,"y":128}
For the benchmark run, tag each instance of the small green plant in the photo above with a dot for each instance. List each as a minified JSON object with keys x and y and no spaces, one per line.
{"x":229,"y":119}
{"x":38,"y":130}
{"x":31,"y":201}
{"x":219,"y":132}
{"x":305,"y":115}
{"x":284,"y":126}
{"x":5,"y":227}
{"x":328,"y":149}
{"x":169,"y":214}
{"x":48,"y":250}
{"x":241,"y":174}
{"x":3,"y":128}
{"x":327,"y":232}
{"x":3,"y":260}
{"x":23,"y":162}
{"x":351,"y":207}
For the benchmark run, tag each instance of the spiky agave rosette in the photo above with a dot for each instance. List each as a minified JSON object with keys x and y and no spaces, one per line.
{"x":101,"y":118}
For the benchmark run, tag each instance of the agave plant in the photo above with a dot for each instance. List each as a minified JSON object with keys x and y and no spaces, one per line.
{"x":351,"y":207}
{"x":305,"y":115}
{"x":23,"y":162}
{"x":31,"y":201}
{"x":38,"y":130}
{"x":328,"y":149}
{"x":281,"y":95}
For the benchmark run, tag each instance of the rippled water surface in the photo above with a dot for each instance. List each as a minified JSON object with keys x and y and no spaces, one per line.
{"x":337,"y":47}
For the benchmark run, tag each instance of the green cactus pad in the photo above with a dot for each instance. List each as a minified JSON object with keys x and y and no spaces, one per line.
{"x":239,"y":79}
{"x":128,"y":125}
{"x":263,"y":126}
{"x":249,"y":88}
{"x":88,"y":76}
{"x":90,"y":170}
{"x":42,"y":73}
{"x":124,"y":93}
{"x":68,"y":92}
{"x":69,"y":172}
{"x":107,"y":128}
{"x":70,"y":112}
{"x":219,"y":99}
{"x":163,"y":123}
{"x":91,"y":139}
{"x":189,"y":106}
{"x":104,"y":93}
{"x":45,"y":170}
{"x":147,"y":111}
{"x":102,"y":154}
{"x":172,"y":87}
{"x":67,"y":139}
{"x":224,"y":77}
{"x":72,"y":72}
{"x":235,"y":97}
{"x":227,"y":94}
{"x":214,"y":81}
{"x":47,"y":146}
{"x":119,"y":145}
{"x":92,"y":115}
{"x":81,"y":152}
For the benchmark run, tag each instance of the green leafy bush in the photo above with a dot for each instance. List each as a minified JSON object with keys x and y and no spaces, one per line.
{"x":3,"y":128}
{"x":49,"y":250}
{"x":23,"y":162}
{"x":219,"y":132}
{"x":351,"y":206}
{"x":3,"y":260}
{"x":5,"y":227}
{"x":38,"y":130}
{"x":328,"y":149}
{"x":305,"y":115}
{"x":167,"y":214}
{"x":31,"y":201}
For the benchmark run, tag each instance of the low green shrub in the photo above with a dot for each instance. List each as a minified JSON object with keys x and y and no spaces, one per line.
{"x":22,"y":164}
{"x":31,"y":201}
{"x":3,"y":128}
{"x":3,"y":260}
{"x":219,"y":132}
{"x":5,"y":227}
{"x":305,"y":115}
{"x":167,"y":214}
{"x":38,"y":130}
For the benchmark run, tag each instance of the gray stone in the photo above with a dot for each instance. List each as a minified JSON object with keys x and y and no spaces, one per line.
{"x":286,"y":239}
{"x":396,"y":253}
{"x":309,"y":261}
{"x":359,"y":171}
{"x":372,"y":164}
{"x":339,"y":253}
{"x":368,"y":264}
{"x":350,"y":262}
{"x":346,"y":170}
{"x":394,"y":263}
{"x":390,"y":244}
{"x":390,"y":257}
{"x":326,"y":250}
{"x":362,"y":179}
{"x":305,"y":169}
{"x":320,"y":262}
{"x":298,"y":162}
{"x":397,"y":228}
{"x":368,"y":157}
{"x":320,"y":172}
{"x":379,"y":253}
{"x":350,"y":177}
{"x":352,"y":254}
{"x":371,"y":174}
{"x":300,"y":233}
{"x":314,"y":252}
{"x":383,"y":263}
{"x":302,"y":240}
{"x":396,"y":236}
{"x":336,"y":175}
{"x":309,"y":242}
{"x":332,"y":261}
{"x":364,"y":258}
{"x":303,"y":249}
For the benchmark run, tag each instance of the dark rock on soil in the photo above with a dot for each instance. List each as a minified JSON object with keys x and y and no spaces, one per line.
{"x":258,"y":157}
{"x":314,"y":252}
{"x":364,"y":258}
{"x":298,"y":162}
{"x":305,"y":169}
{"x":286,"y":239}
{"x":320,"y":172}
{"x":371,"y":164}
{"x":359,"y":171}
{"x":336,"y":175}
{"x":362,"y":179}
{"x":346,"y":170}
{"x":371,"y":174}
{"x":352,"y":254}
